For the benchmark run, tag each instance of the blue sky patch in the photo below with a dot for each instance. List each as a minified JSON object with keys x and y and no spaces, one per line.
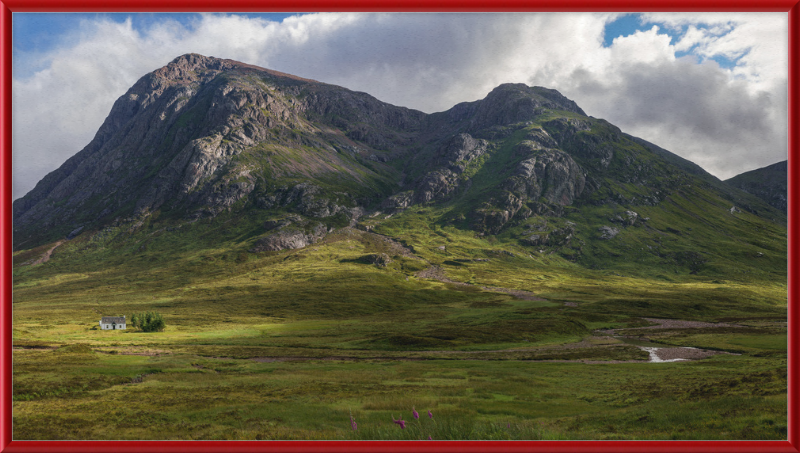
{"x":629,"y":24}
{"x":41,"y":32}
{"x":725,"y":62}
{"x":625,"y":25}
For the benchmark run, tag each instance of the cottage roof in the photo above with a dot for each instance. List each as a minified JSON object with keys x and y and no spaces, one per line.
{"x":114,"y":319}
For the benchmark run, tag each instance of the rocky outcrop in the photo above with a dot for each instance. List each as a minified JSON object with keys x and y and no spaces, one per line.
{"x":542,"y":183}
{"x":492,"y":220}
{"x":548,"y":173}
{"x":627,"y":218}
{"x":557,"y":237}
{"x":72,"y":234}
{"x":573,"y":136}
{"x":539,"y":138}
{"x":289,"y":233}
{"x":460,"y":150}
{"x":436,"y":185}
{"x":310,"y":200}
{"x":452,"y":159}
{"x":377,"y":259}
{"x":607,"y":232}
{"x":399,"y":201}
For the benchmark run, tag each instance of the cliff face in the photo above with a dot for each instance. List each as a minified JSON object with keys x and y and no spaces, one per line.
{"x":204,"y":135}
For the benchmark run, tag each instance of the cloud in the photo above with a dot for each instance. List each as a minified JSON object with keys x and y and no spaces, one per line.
{"x":761,"y":39}
{"x":711,"y":115}
{"x":696,"y":111}
{"x":725,"y":120}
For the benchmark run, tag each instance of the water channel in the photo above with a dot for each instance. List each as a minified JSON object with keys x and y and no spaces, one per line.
{"x":653,"y":348}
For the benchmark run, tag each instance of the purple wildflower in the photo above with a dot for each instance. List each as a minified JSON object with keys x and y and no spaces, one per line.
{"x":430,"y":414}
{"x":353,"y":423}
{"x":429,"y":438}
{"x":400,"y":422}
{"x":414,"y":411}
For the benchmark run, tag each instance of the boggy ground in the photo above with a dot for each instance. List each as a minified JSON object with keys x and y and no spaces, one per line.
{"x":289,"y":345}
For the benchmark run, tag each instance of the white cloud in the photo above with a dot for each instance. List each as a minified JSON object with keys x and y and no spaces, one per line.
{"x":726,"y":120}
{"x":761,"y":37}
{"x":433,"y":61}
{"x":649,"y":47}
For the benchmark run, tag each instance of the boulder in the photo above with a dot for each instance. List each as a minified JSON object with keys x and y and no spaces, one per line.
{"x":378,"y":259}
{"x":535,"y":239}
{"x":626,"y":218}
{"x":607,"y":232}
{"x":290,"y":236}
{"x":74,"y":232}
{"x":401,"y":200}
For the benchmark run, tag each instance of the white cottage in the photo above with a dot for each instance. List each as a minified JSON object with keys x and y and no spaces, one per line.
{"x":112,"y":323}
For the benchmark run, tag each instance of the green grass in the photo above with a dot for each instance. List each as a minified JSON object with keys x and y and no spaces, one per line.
{"x":286,"y":345}
{"x":186,"y":397}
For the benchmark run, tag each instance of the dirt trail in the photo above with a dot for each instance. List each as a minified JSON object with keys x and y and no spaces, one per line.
{"x":46,"y":255}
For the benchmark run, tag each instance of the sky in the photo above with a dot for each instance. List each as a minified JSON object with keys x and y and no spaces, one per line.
{"x":710,"y":87}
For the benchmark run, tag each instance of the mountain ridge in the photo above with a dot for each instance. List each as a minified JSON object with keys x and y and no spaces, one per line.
{"x":768,"y":183}
{"x":175,"y":81}
{"x":202,"y":136}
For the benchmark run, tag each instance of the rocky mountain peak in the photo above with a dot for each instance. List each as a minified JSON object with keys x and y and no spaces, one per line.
{"x":511,"y":103}
{"x":510,"y":93}
{"x":186,"y":67}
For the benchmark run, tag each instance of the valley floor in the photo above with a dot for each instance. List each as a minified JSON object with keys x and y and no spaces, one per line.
{"x":291,"y":345}
{"x":195,"y":394}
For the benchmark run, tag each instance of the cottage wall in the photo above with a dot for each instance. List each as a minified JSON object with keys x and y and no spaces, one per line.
{"x":113,"y":323}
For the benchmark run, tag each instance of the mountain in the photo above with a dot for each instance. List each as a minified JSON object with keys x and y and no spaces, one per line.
{"x":769,"y":184}
{"x":295,"y":159}
{"x":511,"y":259}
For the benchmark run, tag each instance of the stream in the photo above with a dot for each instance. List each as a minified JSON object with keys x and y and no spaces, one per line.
{"x":672,"y":353}
{"x":654,"y":358}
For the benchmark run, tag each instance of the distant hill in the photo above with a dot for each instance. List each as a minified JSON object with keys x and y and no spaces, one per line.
{"x":769,"y":183}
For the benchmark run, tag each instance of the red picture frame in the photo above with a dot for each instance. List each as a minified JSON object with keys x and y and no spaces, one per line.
{"x":7,"y":7}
